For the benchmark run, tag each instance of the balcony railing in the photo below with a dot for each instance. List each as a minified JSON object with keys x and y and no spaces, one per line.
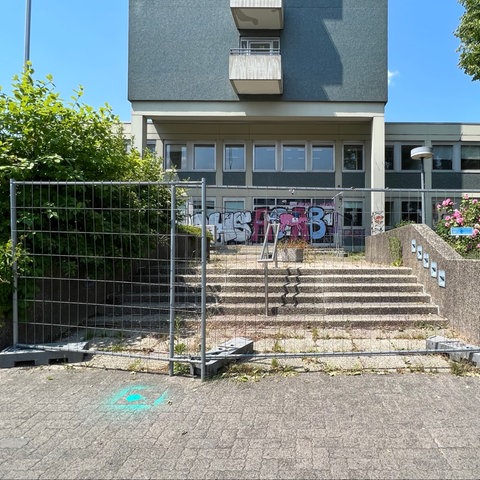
{"x":254,"y":51}
{"x":256,"y":71}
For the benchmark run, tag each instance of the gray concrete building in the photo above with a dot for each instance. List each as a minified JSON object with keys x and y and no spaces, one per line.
{"x":260,"y":96}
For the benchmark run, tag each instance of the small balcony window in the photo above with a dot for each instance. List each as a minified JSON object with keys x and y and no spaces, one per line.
{"x":259,"y":46}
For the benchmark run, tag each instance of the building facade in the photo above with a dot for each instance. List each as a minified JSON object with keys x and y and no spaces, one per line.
{"x":279,"y":105}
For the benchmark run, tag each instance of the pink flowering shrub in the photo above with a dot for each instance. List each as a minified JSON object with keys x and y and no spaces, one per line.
{"x":466,"y":215}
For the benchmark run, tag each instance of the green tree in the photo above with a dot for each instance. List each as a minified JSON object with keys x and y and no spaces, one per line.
{"x":43,"y":138}
{"x":469,"y":34}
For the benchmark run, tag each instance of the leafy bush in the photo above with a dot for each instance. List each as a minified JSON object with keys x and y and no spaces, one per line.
{"x":466,"y":215}
{"x":43,"y":138}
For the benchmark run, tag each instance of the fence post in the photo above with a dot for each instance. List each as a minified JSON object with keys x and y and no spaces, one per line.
{"x":172,"y":279}
{"x":204,"y":283}
{"x":13,"y":232}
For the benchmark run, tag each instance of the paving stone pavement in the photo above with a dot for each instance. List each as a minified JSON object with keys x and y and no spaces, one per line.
{"x":75,"y":422}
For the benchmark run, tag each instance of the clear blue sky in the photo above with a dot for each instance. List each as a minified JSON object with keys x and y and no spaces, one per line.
{"x":85,"y":43}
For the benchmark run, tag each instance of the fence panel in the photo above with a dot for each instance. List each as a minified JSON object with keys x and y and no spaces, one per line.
{"x":98,"y":268}
{"x":113,"y":264}
{"x":331,"y":310}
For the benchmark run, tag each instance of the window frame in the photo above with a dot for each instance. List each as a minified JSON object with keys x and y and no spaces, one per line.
{"x":294,"y":144}
{"x":204,"y":144}
{"x":234,"y":144}
{"x":392,"y":146}
{"x":473,"y":170}
{"x":353,"y":144}
{"x":233,"y":199}
{"x":183,"y":160}
{"x":322,"y":145}
{"x":246,"y":41}
{"x":254,"y":155}
{"x":211,"y":206}
{"x":410,"y":147}
{"x":451,"y":159}
{"x":352,"y":201}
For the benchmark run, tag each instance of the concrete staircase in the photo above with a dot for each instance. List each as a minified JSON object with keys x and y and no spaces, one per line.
{"x":335,"y":292}
{"x":309,"y":290}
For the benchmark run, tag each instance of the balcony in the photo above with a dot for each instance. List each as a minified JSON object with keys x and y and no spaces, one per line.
{"x":254,"y":72}
{"x":257,"y":14}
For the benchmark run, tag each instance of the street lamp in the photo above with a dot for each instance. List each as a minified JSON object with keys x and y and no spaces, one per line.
{"x":28,"y":18}
{"x":420,"y":153}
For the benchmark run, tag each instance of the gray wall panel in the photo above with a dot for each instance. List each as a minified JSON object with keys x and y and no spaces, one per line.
{"x":234,"y":178}
{"x":332,"y":50}
{"x":402,"y":180}
{"x":355,"y":180}
{"x":210,"y":177}
{"x":452,"y":180}
{"x":291,"y":179}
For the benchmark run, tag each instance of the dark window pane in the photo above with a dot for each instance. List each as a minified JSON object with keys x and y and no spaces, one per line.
{"x":412,"y":212}
{"x":352,"y":214}
{"x":407,"y":162}
{"x":176,"y":156}
{"x":353,"y":157}
{"x":442,"y":157}
{"x":389,"y":164}
{"x":470,"y":157}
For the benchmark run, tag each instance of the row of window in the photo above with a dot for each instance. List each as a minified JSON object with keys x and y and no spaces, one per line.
{"x":300,"y":157}
{"x":294,"y":157}
{"x":445,"y":157}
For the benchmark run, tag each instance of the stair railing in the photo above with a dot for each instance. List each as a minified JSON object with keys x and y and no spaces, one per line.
{"x":268,"y":256}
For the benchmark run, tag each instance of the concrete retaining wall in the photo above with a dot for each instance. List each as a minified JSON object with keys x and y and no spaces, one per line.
{"x":459,"y":299}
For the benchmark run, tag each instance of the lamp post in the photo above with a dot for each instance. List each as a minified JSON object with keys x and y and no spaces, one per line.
{"x":28,"y":16}
{"x":420,"y":153}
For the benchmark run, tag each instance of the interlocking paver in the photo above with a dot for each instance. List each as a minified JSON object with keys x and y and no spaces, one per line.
{"x":59,"y":422}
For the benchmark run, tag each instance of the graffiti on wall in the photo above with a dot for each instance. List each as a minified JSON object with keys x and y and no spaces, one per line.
{"x":311,"y":223}
{"x":378,"y":222}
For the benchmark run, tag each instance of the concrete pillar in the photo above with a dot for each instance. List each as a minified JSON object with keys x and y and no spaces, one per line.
{"x":139,"y":132}
{"x":377,"y":175}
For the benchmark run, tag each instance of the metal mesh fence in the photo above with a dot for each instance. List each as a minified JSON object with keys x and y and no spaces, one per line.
{"x":100,"y":270}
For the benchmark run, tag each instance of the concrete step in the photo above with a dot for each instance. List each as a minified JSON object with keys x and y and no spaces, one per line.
{"x":159,"y":308}
{"x":160,"y":322}
{"x":326,"y":321}
{"x":316,"y":271}
{"x":320,"y":288}
{"x":149,"y":298}
{"x":300,"y":298}
{"x":326,"y":309}
{"x":314,"y":279}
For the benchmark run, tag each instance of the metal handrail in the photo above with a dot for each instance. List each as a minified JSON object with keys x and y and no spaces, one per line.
{"x":255,"y":51}
{"x":266,"y":257}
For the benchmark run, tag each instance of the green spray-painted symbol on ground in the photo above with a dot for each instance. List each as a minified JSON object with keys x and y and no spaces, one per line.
{"x":137,"y":398}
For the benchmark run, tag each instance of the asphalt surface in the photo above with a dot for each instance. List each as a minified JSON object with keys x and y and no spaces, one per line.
{"x":75,"y":422}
